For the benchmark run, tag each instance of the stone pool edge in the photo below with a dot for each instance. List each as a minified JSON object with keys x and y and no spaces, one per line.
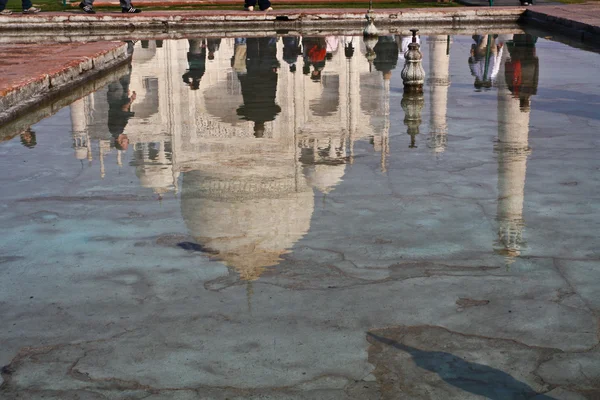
{"x":17,"y":99}
{"x":555,"y":19}
{"x":289,"y":18}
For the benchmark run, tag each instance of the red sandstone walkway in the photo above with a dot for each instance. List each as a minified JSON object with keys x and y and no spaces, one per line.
{"x":21,"y":65}
{"x":29,"y":74}
{"x":571,"y":14}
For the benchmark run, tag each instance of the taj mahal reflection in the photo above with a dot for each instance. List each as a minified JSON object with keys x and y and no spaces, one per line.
{"x":250,"y":137}
{"x":251,"y":140}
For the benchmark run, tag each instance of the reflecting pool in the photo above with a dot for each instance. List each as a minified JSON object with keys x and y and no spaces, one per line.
{"x":275,"y":218}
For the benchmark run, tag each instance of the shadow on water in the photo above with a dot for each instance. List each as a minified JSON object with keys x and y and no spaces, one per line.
{"x":471,"y":377}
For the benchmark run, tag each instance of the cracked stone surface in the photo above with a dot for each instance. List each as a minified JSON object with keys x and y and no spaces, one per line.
{"x":206,"y":263}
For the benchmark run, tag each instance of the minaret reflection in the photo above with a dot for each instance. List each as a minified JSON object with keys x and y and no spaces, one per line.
{"x":386,"y":59}
{"x":79,"y":128}
{"x":521,"y":68}
{"x":439,"y":81}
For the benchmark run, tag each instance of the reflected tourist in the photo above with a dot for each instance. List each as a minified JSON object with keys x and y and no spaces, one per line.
{"x":28,"y":138}
{"x":348,"y":47}
{"x":212,"y":45}
{"x":386,"y":52}
{"x":238,"y":60}
{"x":291,"y":51}
{"x":196,"y":57}
{"x":119,"y":99}
{"x":259,"y":84}
{"x":520,"y":80}
{"x":315,"y":51}
{"x":484,"y":60}
{"x":522,"y":69}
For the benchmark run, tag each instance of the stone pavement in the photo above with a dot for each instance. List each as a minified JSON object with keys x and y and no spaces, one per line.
{"x":33,"y":73}
{"x":579,"y":21}
{"x":502,"y":3}
{"x":214,"y":19}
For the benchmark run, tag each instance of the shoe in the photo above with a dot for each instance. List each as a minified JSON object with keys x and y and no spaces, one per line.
{"x":268,"y":9}
{"x":87,"y":9}
{"x":131,"y":10}
{"x":5,"y":12}
{"x":525,"y":4}
{"x":32,"y":10}
{"x":249,"y":8}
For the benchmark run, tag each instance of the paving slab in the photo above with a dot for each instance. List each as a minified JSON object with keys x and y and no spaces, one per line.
{"x":581,"y":21}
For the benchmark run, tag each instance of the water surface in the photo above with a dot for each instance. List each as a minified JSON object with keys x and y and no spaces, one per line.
{"x":276,"y":218}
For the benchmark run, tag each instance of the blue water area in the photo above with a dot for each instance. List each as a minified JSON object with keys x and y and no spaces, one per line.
{"x":278,"y":217}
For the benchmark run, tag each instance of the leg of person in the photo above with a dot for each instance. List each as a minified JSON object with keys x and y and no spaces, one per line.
{"x":28,"y":7}
{"x":87,"y":6}
{"x":3,"y":10}
{"x":127,"y":7}
{"x":249,"y":5}
{"x":265,"y":5}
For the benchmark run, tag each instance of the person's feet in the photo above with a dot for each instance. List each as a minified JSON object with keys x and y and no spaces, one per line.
{"x":5,"y":12}
{"x":32,"y":10}
{"x":131,"y":10}
{"x":268,"y":9}
{"x":249,"y":8}
{"x":87,"y":9}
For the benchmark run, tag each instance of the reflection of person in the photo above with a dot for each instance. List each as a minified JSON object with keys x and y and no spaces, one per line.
{"x":484,"y":60}
{"x":291,"y":51}
{"x":196,"y":63}
{"x":349,"y":49}
{"x":315,"y":51}
{"x":119,"y":99}
{"x":238,"y":60}
{"x":213,"y":46}
{"x":522,"y":69}
{"x":28,"y":138}
{"x":259,"y":84}
{"x":386,"y":51}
